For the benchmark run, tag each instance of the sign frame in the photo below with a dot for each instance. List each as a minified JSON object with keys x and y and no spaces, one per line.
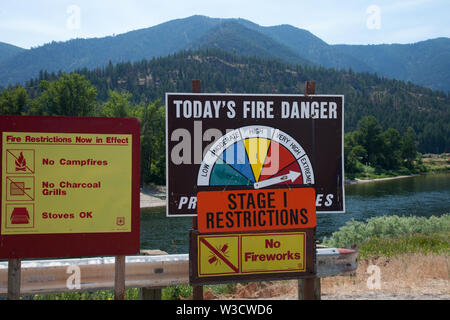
{"x":310,"y":256}
{"x":170,"y":194}
{"x":76,"y":244}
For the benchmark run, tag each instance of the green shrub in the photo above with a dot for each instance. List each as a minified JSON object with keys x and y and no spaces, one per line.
{"x":176,"y":292}
{"x":223,"y":288}
{"x":356,"y":232}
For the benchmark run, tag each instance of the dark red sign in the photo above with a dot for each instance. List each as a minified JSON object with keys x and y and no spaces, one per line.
{"x":70,"y":186}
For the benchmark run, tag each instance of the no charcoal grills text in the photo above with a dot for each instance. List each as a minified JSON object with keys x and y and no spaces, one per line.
{"x":262,"y":212}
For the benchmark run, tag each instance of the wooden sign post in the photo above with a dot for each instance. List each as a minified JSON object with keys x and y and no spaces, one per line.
{"x":14,"y":278}
{"x":119,"y":278}
{"x":306,"y":287}
{"x":197,"y":291}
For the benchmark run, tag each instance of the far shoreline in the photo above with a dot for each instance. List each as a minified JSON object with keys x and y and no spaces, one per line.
{"x":358,"y":181}
{"x":153,"y":197}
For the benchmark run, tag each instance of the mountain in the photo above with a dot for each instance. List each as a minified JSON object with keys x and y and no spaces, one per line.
{"x":234,"y":37}
{"x":164,"y":39}
{"x":424,"y":63}
{"x":7,"y":51}
{"x":160,"y":40}
{"x":394,"y":103}
{"x":307,"y":45}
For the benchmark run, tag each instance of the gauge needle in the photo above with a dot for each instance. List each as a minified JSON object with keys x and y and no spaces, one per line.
{"x":292,"y":175}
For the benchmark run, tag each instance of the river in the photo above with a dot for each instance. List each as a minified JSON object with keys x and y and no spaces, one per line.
{"x":423,"y":195}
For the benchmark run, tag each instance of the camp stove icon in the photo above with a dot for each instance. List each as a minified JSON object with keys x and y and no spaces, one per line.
{"x":20,"y":216}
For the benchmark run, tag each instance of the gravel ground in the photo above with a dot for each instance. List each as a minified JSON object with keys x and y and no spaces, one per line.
{"x":387,"y":296}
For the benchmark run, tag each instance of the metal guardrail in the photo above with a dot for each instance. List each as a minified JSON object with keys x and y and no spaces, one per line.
{"x":51,"y":276}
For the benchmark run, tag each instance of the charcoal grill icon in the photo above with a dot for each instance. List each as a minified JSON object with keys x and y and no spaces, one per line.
{"x":20,"y":188}
{"x":17,"y":188}
{"x":20,"y":216}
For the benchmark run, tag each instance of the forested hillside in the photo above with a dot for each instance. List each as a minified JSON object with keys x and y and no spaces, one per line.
{"x":393,"y":103}
{"x":234,"y":37}
{"x":425,"y":63}
{"x":8,"y":51}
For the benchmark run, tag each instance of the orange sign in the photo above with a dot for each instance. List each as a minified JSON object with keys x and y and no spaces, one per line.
{"x":256,"y":210}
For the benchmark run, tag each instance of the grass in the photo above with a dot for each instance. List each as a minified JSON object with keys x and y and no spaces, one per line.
{"x":389,"y":247}
{"x":436,"y":163}
{"x":168,"y":293}
{"x":131,"y":294}
{"x":185,"y":291}
{"x":407,"y":274}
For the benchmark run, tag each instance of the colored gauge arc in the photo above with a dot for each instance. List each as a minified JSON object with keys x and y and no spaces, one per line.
{"x":256,"y":156}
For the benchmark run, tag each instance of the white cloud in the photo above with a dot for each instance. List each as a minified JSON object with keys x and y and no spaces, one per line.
{"x":36,"y":22}
{"x":30,"y":26}
{"x":402,"y":5}
{"x":413,"y":34}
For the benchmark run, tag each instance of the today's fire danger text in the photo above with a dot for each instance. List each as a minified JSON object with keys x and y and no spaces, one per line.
{"x":249,"y":210}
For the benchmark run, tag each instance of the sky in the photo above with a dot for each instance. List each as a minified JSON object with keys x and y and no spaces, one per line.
{"x":31,"y":23}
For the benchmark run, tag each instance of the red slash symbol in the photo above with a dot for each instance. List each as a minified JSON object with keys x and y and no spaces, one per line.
{"x":224,"y":251}
{"x":219,"y":254}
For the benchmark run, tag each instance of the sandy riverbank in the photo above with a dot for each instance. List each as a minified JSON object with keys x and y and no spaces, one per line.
{"x":153,"y":197}
{"x":377,"y":179}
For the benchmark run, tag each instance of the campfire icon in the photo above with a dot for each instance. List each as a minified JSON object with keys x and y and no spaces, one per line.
{"x":21,"y":163}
